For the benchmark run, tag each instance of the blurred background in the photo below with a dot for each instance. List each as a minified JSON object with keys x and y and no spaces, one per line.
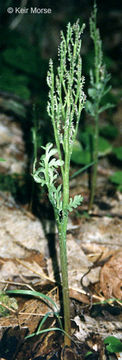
{"x":27,"y":41}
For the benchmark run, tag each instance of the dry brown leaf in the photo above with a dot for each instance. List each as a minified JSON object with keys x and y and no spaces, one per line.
{"x":25,"y":269}
{"x":111,"y":277}
{"x":74,"y":294}
{"x":97,"y":252}
{"x":28,"y":316}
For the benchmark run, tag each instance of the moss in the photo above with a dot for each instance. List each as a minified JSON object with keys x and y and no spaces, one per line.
{"x":8,"y":303}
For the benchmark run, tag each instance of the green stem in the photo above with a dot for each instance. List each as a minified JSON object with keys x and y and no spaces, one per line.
{"x":96,"y":117}
{"x":95,"y":159}
{"x":64,"y":270}
{"x":62,"y":228}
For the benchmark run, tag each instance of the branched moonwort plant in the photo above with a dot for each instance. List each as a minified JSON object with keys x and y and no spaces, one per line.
{"x":99,"y":87}
{"x":66,"y":101}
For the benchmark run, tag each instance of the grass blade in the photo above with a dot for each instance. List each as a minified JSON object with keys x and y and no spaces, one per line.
{"x":81,"y":170}
{"x":36,"y":294}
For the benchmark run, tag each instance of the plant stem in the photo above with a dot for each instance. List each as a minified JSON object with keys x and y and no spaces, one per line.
{"x":97,"y":64}
{"x":62,"y":228}
{"x":95,"y":159}
{"x":96,"y":134}
{"x":64,"y":269}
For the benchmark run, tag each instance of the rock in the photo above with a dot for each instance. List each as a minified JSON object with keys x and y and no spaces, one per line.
{"x":12,"y":146}
{"x":19,"y":232}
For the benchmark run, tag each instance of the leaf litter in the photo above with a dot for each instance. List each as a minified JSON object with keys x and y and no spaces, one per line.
{"x":90,"y":266}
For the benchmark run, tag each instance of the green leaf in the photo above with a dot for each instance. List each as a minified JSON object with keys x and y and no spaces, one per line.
{"x":118,"y":152}
{"x":105,"y":107}
{"x":1,"y":159}
{"x":85,"y":137}
{"x":43,"y":321}
{"x":49,"y":151}
{"x":108,"y":301}
{"x":109,"y":131}
{"x":45,"y":318}
{"x":35,"y":294}
{"x":116,"y":178}
{"x":119,"y":188}
{"x":104,"y":147}
{"x":106,"y":90}
{"x":82,"y":169}
{"x":73,"y":203}
{"x":88,"y":353}
{"x":80,"y":156}
{"x":48,"y":330}
{"x":37,"y":178}
{"x":92,"y":93}
{"x":77,"y":146}
{"x":56,"y":194}
{"x":114,"y":344}
{"x":99,"y":86}
{"x":89,"y":107}
{"x":47,"y":174}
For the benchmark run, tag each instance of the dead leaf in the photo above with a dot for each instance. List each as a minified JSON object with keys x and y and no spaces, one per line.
{"x":78,"y":263}
{"x":31,"y":268}
{"x":74,"y":294}
{"x":111,"y":277}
